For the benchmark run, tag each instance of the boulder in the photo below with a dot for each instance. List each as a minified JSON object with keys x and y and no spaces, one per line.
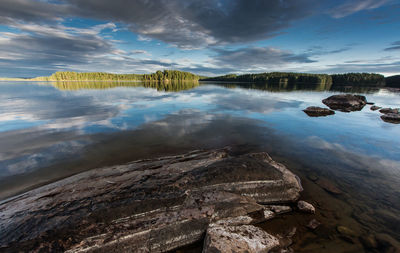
{"x":345,"y":102}
{"x":393,"y":118}
{"x":374,"y":108}
{"x":305,"y":207}
{"x":152,"y":205}
{"x":389,"y":110}
{"x":314,"y":111}
{"x":245,"y":238}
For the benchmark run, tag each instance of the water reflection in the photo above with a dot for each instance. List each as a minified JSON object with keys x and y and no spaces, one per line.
{"x":171,"y":86}
{"x":290,"y":87}
{"x":49,"y":131}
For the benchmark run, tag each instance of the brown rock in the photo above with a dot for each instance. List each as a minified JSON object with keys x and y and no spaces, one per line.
{"x":374,"y":108}
{"x":313,"y":224}
{"x":393,"y":118}
{"x":280,"y":209}
{"x":346,"y":231}
{"x":369,"y":242}
{"x":246,"y":238}
{"x":345,"y":102}
{"x":389,"y":110}
{"x":328,"y":186}
{"x":305,"y":207}
{"x":314,"y":111}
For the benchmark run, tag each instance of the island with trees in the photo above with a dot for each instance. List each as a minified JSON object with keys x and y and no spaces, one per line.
{"x":166,"y":75}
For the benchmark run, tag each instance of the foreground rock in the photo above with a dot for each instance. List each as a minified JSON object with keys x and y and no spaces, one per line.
{"x":391,"y":118}
{"x":345,"y":102}
{"x":314,"y":111}
{"x":305,"y":207}
{"x":246,"y":238}
{"x":152,"y":205}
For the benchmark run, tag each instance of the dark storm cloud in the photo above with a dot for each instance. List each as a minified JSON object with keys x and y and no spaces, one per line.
{"x":194,"y":23}
{"x":254,"y":57}
{"x":32,"y":11}
{"x":187,"y":24}
{"x":395,"y":46}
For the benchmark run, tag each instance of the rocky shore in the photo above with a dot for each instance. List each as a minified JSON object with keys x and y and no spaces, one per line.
{"x":350,"y":103}
{"x":157,"y":205}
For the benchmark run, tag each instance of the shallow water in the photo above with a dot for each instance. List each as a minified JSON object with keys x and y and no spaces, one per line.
{"x":52,"y":130}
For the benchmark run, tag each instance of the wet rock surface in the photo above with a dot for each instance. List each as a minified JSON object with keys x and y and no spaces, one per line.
{"x":314,"y":111}
{"x":345,"y":102}
{"x":152,"y":205}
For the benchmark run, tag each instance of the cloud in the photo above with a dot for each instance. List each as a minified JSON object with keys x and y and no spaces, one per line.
{"x":386,"y":67}
{"x":395,"y":46}
{"x":186,"y":24}
{"x":353,"y":6}
{"x":32,"y":11}
{"x":258,"y":57}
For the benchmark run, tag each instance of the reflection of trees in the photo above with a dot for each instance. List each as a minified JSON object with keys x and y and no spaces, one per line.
{"x":160,"y":86}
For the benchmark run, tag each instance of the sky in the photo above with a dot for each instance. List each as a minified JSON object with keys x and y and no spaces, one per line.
{"x":206,"y":37}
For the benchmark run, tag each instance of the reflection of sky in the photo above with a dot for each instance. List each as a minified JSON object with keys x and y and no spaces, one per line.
{"x":41,"y":108}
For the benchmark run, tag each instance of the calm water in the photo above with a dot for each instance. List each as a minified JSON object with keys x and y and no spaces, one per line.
{"x":52,"y":130}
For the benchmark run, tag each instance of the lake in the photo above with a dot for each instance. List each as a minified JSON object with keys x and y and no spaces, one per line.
{"x":49,"y":131}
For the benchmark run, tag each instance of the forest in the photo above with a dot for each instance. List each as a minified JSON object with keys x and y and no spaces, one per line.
{"x":393,"y":81}
{"x":358,"y":79}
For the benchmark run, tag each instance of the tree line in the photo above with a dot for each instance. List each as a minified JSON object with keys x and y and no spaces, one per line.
{"x":361,"y":79}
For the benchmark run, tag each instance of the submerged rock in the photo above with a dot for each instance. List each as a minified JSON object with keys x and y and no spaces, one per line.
{"x":314,"y":111}
{"x":345,"y":102}
{"x":389,"y":110}
{"x":305,"y":207}
{"x":328,"y":186}
{"x":345,"y":231}
{"x":246,"y":238}
{"x":153,"y":205}
{"x":391,"y":118}
{"x":369,"y":241}
{"x":313,"y":224}
{"x":374,"y":108}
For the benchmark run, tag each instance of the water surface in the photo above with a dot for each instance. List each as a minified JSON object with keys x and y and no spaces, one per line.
{"x":52,"y":130}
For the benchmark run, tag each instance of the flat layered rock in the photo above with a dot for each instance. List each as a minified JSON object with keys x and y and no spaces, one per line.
{"x":153,"y":205}
{"x":345,"y":102}
{"x":314,"y":111}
